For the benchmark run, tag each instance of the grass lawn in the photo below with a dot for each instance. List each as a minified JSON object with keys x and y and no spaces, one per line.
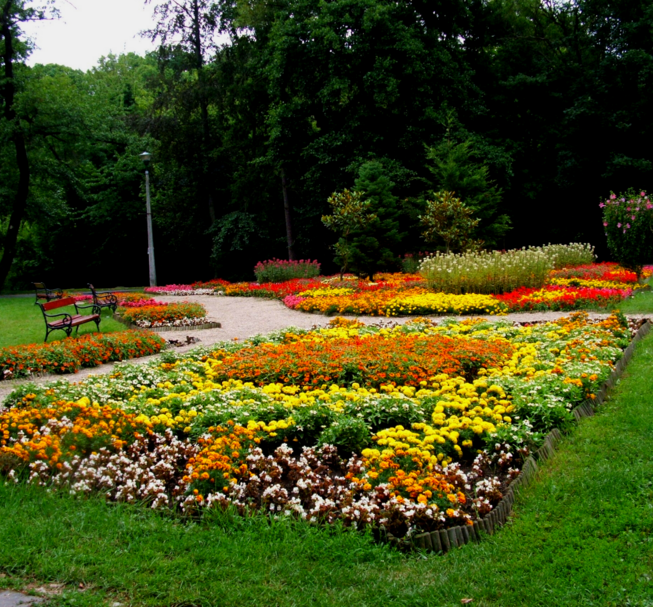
{"x":582,"y":535}
{"x":22,"y":322}
{"x":640,"y":303}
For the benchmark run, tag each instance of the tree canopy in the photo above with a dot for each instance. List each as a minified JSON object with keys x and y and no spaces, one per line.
{"x":528,"y":111}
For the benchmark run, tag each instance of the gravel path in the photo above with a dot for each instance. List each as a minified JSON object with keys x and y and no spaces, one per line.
{"x":243,"y":317}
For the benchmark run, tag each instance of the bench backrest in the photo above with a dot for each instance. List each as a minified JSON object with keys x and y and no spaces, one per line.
{"x":58,"y":303}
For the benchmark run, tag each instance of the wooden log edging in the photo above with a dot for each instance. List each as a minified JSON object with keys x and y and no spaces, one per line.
{"x":444,"y":540}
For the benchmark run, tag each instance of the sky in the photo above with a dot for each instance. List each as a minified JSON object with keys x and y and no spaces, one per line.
{"x":90,"y":29}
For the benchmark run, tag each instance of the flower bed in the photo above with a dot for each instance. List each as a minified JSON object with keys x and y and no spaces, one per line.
{"x":69,"y":355}
{"x":185,"y":314}
{"x":415,"y":427}
{"x":595,"y":285}
{"x":210,"y":287}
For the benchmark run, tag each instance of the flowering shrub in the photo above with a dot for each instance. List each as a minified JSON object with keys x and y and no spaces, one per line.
{"x":70,"y":354}
{"x":500,"y":272}
{"x":628,"y":223}
{"x":486,"y":272}
{"x":279,"y":270}
{"x":165,"y":315}
{"x":432,"y":443}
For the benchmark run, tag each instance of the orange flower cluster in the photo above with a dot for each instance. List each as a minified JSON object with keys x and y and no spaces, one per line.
{"x":372,"y":360}
{"x":55,"y":433}
{"x":167,"y":313}
{"x":413,"y":476}
{"x":68,"y":355}
{"x":221,"y":461}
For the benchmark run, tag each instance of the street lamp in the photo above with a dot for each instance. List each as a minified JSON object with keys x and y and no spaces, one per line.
{"x":146,"y":157}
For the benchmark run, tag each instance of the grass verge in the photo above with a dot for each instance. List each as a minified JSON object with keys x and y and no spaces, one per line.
{"x":581,"y":536}
{"x":22,"y":323}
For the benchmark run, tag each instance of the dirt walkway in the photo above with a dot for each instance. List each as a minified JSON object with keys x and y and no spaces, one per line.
{"x":243,"y":317}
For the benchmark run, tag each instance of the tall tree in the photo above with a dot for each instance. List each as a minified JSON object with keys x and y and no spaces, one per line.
{"x":191,"y":26}
{"x":13,"y":50}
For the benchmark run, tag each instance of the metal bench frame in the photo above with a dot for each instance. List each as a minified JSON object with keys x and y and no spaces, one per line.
{"x":42,"y":292}
{"x":68,"y":321}
{"x":104,"y":299}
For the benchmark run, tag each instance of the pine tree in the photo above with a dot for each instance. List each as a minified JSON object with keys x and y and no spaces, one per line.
{"x":374,"y":246}
{"x":456,"y":169}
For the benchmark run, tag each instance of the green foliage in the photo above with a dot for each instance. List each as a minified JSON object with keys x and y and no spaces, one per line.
{"x":375,"y":238}
{"x":349,"y":434}
{"x":455,"y":169}
{"x":628,"y":222}
{"x":447,"y":220}
{"x":349,"y":212}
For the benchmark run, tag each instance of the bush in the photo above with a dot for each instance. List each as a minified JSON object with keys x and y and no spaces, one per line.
{"x":628,"y":223}
{"x":570,"y":255}
{"x":410,"y":262}
{"x":280,"y":270}
{"x":487,"y":272}
{"x":447,"y":221}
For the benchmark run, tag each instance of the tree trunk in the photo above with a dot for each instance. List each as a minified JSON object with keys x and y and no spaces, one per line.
{"x":288,"y":216}
{"x":8,"y":92}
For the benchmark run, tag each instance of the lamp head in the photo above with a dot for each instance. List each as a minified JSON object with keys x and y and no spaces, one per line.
{"x":146,"y":157}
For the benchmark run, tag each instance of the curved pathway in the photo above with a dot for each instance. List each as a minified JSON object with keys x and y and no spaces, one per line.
{"x":243,"y":317}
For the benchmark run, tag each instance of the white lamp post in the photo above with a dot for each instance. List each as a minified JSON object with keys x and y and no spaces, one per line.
{"x":146,"y":157}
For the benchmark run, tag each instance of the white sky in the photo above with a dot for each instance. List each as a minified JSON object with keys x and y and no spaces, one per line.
{"x":90,"y":29}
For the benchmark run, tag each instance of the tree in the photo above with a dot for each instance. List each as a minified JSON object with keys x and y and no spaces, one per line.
{"x":186,"y":29}
{"x":628,"y":223}
{"x":455,"y":169}
{"x":374,"y":244}
{"x":447,"y":220}
{"x":12,"y":51}
{"x":349,"y":212}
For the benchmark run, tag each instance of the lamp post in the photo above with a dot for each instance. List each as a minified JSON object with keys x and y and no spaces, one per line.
{"x":146,"y":157}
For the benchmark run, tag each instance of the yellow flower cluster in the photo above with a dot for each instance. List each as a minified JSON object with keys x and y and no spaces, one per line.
{"x":462,"y":408}
{"x":442,"y":303}
{"x":594,"y":283}
{"x":336,"y":291}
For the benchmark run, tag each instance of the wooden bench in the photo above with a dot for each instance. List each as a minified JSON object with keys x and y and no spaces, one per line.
{"x":67,"y":321}
{"x":42,"y":292}
{"x":104,"y":299}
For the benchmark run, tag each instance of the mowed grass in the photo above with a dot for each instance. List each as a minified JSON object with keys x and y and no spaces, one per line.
{"x":582,"y":535}
{"x":21,"y":322}
{"x":640,"y":303}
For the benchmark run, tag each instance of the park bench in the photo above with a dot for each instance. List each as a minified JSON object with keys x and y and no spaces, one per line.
{"x":104,"y":299}
{"x":66,"y":320}
{"x":42,"y":292}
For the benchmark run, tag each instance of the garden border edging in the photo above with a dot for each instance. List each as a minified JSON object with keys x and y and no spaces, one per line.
{"x":206,"y":325}
{"x":443,"y":540}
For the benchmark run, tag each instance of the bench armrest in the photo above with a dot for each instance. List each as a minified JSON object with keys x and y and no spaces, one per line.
{"x":94,"y":308}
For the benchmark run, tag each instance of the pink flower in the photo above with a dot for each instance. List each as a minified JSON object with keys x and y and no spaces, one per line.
{"x":643,"y":194}
{"x":605,"y":223}
{"x":618,"y":225}
{"x":613,"y":196}
{"x":602,"y":205}
{"x":627,"y":226}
